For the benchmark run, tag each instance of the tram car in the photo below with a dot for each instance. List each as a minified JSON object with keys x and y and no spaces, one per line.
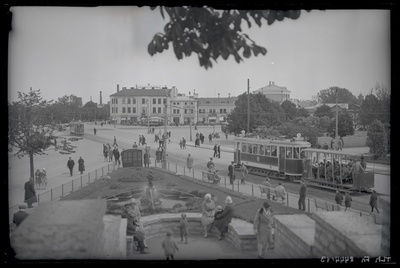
{"x":336,"y":170}
{"x":275,"y":158}
{"x":77,"y":128}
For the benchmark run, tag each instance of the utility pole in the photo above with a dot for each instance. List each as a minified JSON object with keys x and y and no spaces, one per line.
{"x":248,"y":106}
{"x":190,"y":124}
{"x":164,"y":156}
{"x":148,"y":115}
{"x":337,"y":121}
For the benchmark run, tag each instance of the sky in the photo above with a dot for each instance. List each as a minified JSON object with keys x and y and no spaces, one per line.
{"x":85,"y":50}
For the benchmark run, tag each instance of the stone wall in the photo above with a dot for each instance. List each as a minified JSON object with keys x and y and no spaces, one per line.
{"x":385,"y":234}
{"x":294,"y":236}
{"x":62,"y":230}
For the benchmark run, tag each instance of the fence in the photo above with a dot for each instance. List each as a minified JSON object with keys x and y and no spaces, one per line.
{"x":69,"y":187}
{"x":261,"y":191}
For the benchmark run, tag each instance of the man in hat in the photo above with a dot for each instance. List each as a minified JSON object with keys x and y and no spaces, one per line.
{"x":19,"y":216}
{"x":133,"y":228}
{"x":302,"y":198}
{"x":231,"y":172}
{"x":30,"y":193}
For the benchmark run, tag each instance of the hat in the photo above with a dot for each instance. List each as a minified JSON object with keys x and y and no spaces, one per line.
{"x":228,"y":200}
{"x":207,"y":196}
{"x":218,"y":208}
{"x":22,"y":206}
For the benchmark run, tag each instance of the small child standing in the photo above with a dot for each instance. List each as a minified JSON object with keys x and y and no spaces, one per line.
{"x":169,"y":246}
{"x":183,"y":227}
{"x":347,"y":201}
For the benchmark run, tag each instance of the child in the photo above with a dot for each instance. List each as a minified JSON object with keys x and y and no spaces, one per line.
{"x":218,"y":210}
{"x":347,"y":201}
{"x":169,"y":246}
{"x":183,"y":227}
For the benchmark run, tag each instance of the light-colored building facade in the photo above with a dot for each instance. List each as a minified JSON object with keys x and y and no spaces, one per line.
{"x":215,"y":110}
{"x":274,"y":92}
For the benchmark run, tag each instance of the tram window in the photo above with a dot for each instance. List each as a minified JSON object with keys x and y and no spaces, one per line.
{"x":288,"y":152}
{"x":273,"y":150}
{"x":250,"y":149}
{"x":255,"y":149}
{"x":268,"y":150}
{"x":244,"y":147}
{"x":302,"y":153}
{"x":261,"y":149}
{"x":296,"y":152}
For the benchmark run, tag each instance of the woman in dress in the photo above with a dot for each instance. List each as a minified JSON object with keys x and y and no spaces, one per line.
{"x":263,"y":229}
{"x":208,"y":210}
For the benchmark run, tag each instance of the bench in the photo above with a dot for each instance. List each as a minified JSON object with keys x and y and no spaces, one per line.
{"x":210,"y":177}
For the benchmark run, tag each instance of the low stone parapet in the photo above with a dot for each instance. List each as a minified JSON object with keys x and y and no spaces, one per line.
{"x":240,"y":233}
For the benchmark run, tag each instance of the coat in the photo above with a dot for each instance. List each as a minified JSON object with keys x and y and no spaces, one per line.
{"x":347,"y":201}
{"x":222,"y":221}
{"x":30,"y":193}
{"x":116,"y":154}
{"x":207,"y":212}
{"x":339,"y":198}
{"x":70,"y":164}
{"x":263,"y":226}
{"x":303,"y":190}
{"x":19,"y":216}
{"x":189,"y":162}
{"x":373,"y":201}
{"x":169,"y":246}
{"x":81,"y":164}
{"x":146,"y":159}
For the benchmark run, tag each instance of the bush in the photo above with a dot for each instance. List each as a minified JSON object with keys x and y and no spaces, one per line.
{"x":377,"y":139}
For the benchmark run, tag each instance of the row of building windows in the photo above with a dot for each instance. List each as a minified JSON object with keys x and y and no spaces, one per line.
{"x":271,"y":150}
{"x":133,"y":100}
{"x":221,"y":111}
{"x":186,"y":111}
{"x":177,"y":103}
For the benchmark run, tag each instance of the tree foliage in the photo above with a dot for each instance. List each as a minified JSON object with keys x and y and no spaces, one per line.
{"x":343,"y":96}
{"x":30,"y":129}
{"x":263,"y":112}
{"x":212,"y":33}
{"x":289,"y":109}
{"x":370,"y":110}
{"x":377,"y":139}
{"x":309,"y":132}
{"x":323,"y":110}
{"x":345,"y":125}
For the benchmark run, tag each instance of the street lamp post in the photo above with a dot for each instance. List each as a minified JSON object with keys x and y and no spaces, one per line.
{"x":190,"y":124}
{"x":164,"y":156}
{"x":148,"y":115}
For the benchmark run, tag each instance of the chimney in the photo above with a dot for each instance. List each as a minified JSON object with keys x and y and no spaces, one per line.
{"x":117,"y":88}
{"x":101,"y":102}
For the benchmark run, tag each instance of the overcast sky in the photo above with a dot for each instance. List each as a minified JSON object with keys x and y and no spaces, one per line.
{"x":85,"y":50}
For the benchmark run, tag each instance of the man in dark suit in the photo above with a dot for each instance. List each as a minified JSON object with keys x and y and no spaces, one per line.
{"x":70,"y":165}
{"x":231,"y":172}
{"x":30,"y":193}
{"x":19,"y":216}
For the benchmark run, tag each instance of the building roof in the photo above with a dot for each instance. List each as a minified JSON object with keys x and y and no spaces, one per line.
{"x":272,"y":89}
{"x":134,"y":92}
{"x":217,"y":100}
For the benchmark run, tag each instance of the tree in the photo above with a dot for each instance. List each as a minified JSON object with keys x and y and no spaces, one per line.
{"x":345,"y":126}
{"x":377,"y":139}
{"x":323,"y":110}
{"x":302,"y":112}
{"x":343,"y":96}
{"x":290,"y":109}
{"x":263,"y":112}
{"x":384,"y":96}
{"x":370,"y":110}
{"x":30,"y":128}
{"x":309,"y":133}
{"x":212,"y":33}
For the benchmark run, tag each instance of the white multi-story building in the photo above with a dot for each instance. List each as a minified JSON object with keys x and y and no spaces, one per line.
{"x":274,"y":92}
{"x":215,"y":110}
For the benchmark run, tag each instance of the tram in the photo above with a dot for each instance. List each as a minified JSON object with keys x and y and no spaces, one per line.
{"x":77,"y":128}
{"x":334,"y":170}
{"x":279,"y":158}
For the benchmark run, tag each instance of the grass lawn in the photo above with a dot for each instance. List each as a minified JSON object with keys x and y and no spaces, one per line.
{"x":128,"y":179}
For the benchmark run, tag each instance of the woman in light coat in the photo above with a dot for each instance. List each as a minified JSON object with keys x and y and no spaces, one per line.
{"x":207,"y":215}
{"x":262,"y":227}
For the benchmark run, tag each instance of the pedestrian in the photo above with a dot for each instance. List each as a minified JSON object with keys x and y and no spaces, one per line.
{"x":170,"y":247}
{"x":209,"y":138}
{"x":231,"y":172}
{"x":43,"y":177}
{"x":20,"y":215}
{"x":150,"y":179}
{"x":81,"y":165}
{"x":110,"y":154}
{"x":226,"y":134}
{"x":105,"y":153}
{"x":156,"y":138}
{"x":243,"y":171}
{"x":262,"y":227}
{"x":332,"y":142}
{"x":70,"y":165}
{"x":347,"y":201}
{"x":363,"y":163}
{"x":30,"y":193}
{"x":201,"y":138}
{"x":222,"y":220}
{"x":38,"y":179}
{"x":146,"y":159}
{"x":158,"y":155}
{"x":219,"y":151}
{"x":184,"y":227}
{"x":140,"y":140}
{"x":302,"y":198}
{"x":207,"y":214}
{"x":143,"y":140}
{"x":134,"y":145}
{"x":189,"y":162}
{"x":215,"y":150}
{"x":373,"y":201}
{"x":115,"y":141}
{"x":94,"y":130}
{"x":280,"y":192}
{"x":339,"y":198}
{"x":183,"y":143}
{"x":325,"y":147}
{"x":133,"y":229}
{"x":356,"y":169}
{"x":117,"y":156}
{"x":267,"y":187}
{"x":340,"y":144}
{"x":210,"y":164}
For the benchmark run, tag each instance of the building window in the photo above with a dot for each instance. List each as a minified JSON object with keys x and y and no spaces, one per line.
{"x":129,"y":109}
{"x":154,"y":101}
{"x":154,"y":110}
{"x":144,"y":110}
{"x":133,"y":110}
{"x":129,"y":100}
{"x":159,"y":101}
{"x":112,"y":108}
{"x":210,"y":111}
{"x":123,"y":110}
{"x":185,"y":112}
{"x":191,"y":111}
{"x":116,"y":110}
{"x":159,"y":110}
{"x":164,"y":101}
{"x":143,"y":100}
{"x":134,"y":101}
{"x":123,"y":100}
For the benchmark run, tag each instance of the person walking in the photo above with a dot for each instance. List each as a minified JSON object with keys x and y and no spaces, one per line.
{"x":262,"y":228}
{"x":373,"y":201}
{"x":231,"y":172}
{"x":38,"y":179}
{"x":146,"y":159}
{"x":115,"y":141}
{"x":207,"y":214}
{"x":243,"y":171}
{"x":30,"y":193}
{"x":302,"y":198}
{"x":184,"y":227}
{"x":219,"y":150}
{"x":183,"y":143}
{"x":144,"y":140}
{"x":117,"y":156}
{"x":170,"y":247}
{"x":222,"y":220}
{"x":347,"y":201}
{"x":70,"y":165}
{"x":95,"y":131}
{"x":267,"y":187}
{"x":339,"y":198}
{"x":134,"y":145}
{"x":105,"y":152}
{"x":209,"y":138}
{"x":280,"y":192}
{"x":189,"y":162}
{"x":43,"y":177}
{"x":20,"y":215}
{"x":81,"y":165}
{"x":215,"y":150}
